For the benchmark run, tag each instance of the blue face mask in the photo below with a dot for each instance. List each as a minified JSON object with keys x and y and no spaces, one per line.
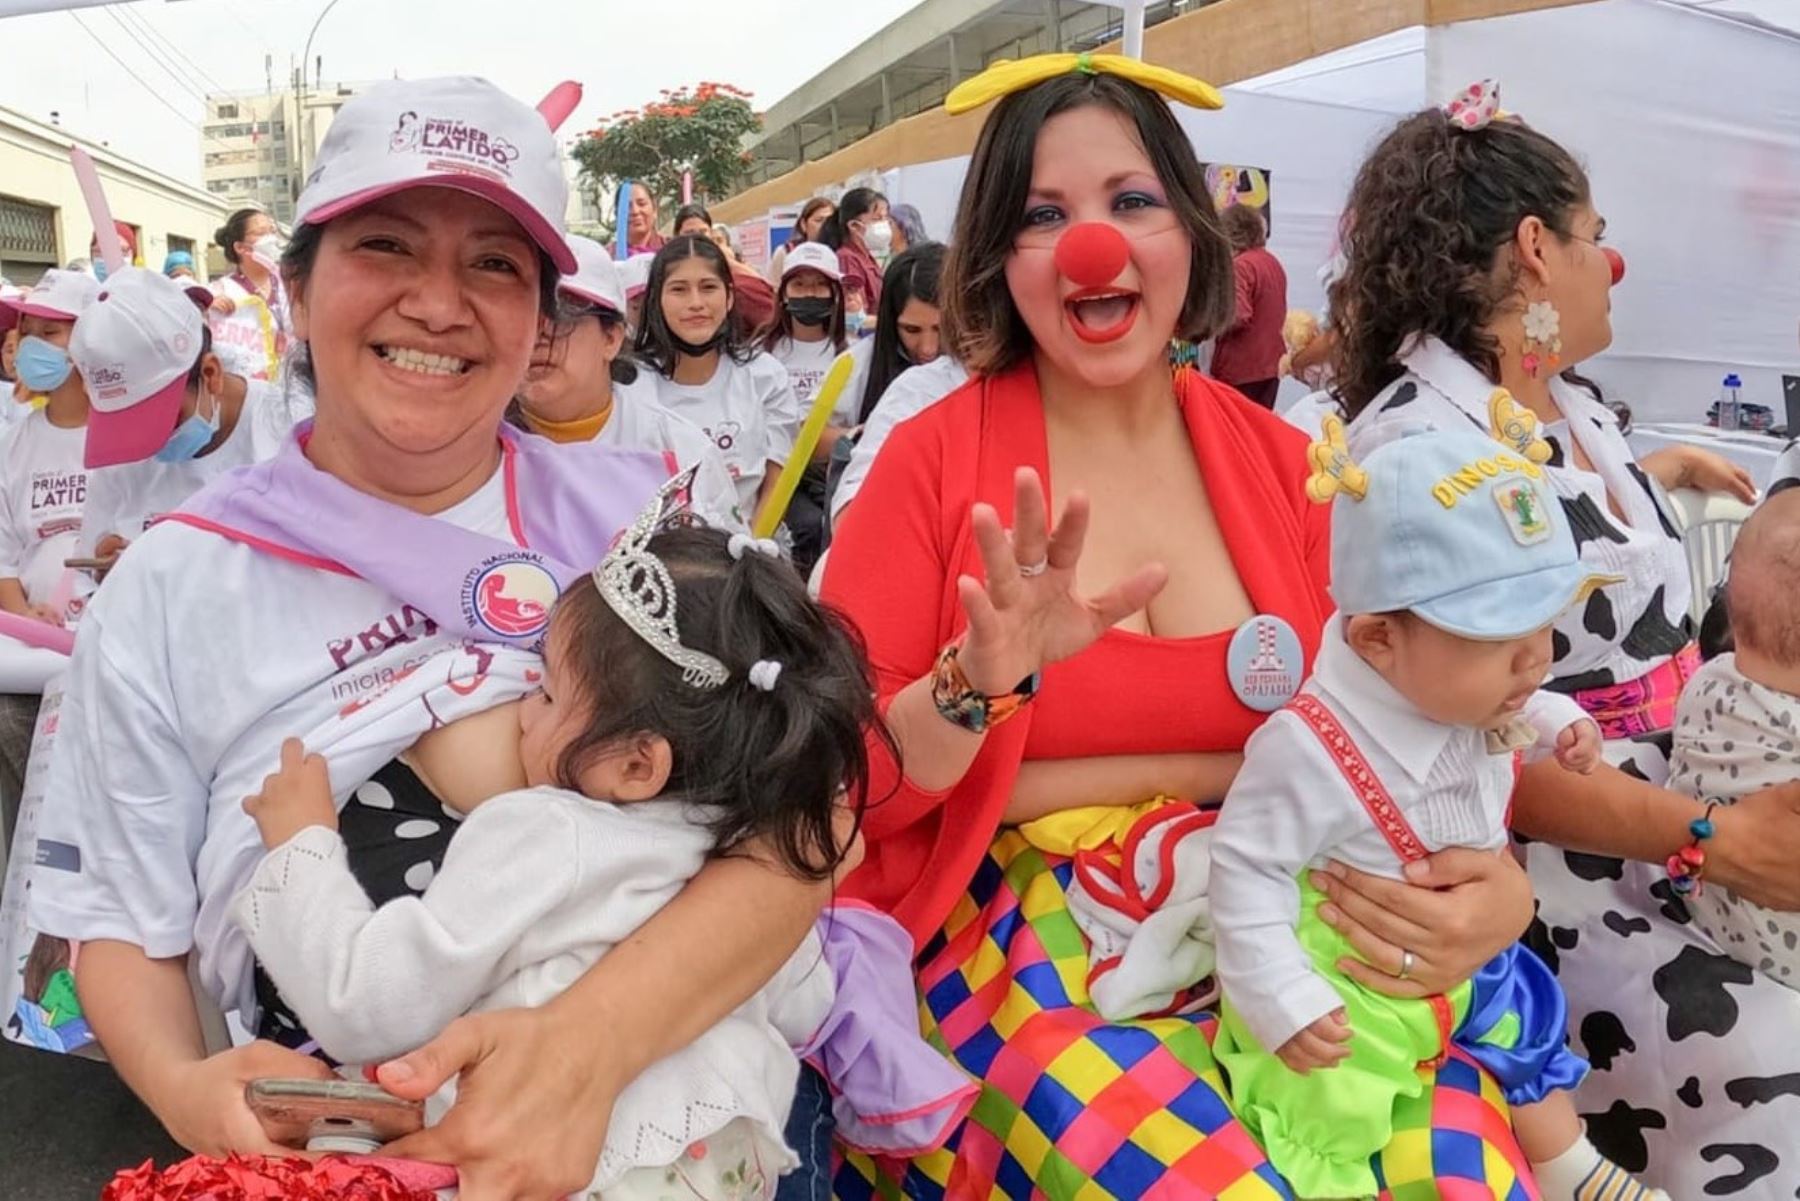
{"x":44,"y":366}
{"x":191,"y":436}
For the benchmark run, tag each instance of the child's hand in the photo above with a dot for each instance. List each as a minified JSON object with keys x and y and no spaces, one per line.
{"x":297,"y":796}
{"x":1320,"y":1045}
{"x":1578,"y":746}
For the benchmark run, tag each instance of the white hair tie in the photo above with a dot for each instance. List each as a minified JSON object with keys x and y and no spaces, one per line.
{"x":763,"y":673}
{"x":763,"y":546}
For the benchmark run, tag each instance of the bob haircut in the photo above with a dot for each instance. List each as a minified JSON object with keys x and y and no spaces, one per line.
{"x":982,"y":326}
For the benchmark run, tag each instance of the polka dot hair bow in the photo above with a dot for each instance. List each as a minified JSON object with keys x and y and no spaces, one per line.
{"x":1475,"y":107}
{"x":1333,"y":469}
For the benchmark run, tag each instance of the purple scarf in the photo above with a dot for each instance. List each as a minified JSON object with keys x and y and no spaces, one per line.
{"x":565,"y":505}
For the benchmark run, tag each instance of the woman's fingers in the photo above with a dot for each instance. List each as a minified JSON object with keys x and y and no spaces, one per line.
{"x":997,"y":556}
{"x":1382,"y":982}
{"x":1031,"y":521}
{"x":985,"y":625}
{"x":1070,"y":534}
{"x":1371,"y":906}
{"x":1133,"y":593}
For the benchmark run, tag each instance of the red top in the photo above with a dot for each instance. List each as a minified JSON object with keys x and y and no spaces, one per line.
{"x":893,"y":568}
{"x":752,"y":300}
{"x":861,"y":273}
{"x":1251,"y":349}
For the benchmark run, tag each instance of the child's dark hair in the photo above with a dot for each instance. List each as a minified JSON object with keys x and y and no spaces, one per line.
{"x":770,"y":764}
{"x":655,"y":346}
{"x":1430,"y":211}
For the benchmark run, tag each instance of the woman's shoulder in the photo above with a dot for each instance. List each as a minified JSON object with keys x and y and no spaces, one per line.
{"x":765,"y":369}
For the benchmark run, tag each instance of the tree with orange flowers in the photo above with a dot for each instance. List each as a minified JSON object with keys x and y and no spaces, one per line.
{"x":699,"y":128}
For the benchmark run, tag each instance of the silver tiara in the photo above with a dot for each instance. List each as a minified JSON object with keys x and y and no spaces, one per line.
{"x":634,"y":584}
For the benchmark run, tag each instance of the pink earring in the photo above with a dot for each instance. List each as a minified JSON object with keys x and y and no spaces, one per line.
{"x":1543,"y":338}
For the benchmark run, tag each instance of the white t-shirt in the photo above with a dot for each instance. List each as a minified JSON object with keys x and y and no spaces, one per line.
{"x":195,"y":661}
{"x":806,"y":363}
{"x":639,"y":422}
{"x":748,"y":410}
{"x":849,"y":404}
{"x":125,"y":499}
{"x":43,"y":488}
{"x":253,"y":337}
{"x":912,"y":392}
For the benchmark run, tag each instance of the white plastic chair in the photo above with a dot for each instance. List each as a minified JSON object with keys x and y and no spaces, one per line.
{"x":1709,"y":526}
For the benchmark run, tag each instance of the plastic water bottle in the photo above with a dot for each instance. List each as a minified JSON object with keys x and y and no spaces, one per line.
{"x":1729,"y":412}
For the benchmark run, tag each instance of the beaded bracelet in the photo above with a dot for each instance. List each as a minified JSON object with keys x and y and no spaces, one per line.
{"x":1687,"y":865}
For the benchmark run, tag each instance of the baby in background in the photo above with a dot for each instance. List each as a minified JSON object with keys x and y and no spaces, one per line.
{"x":1449,"y":562}
{"x":694,"y":697}
{"x":1737,"y":729}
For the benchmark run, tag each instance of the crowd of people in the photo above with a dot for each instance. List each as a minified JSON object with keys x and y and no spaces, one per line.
{"x":1094,"y":787}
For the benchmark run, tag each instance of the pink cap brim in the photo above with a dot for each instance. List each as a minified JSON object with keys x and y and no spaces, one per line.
{"x":549,"y":240}
{"x":12,"y":310}
{"x":591,"y":298}
{"x":133,"y":434}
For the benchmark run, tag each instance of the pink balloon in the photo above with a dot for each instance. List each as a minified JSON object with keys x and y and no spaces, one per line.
{"x":37,"y":633}
{"x":105,"y":232}
{"x":556,"y":107}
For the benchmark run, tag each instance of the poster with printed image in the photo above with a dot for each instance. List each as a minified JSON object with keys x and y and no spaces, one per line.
{"x":1230,"y":184}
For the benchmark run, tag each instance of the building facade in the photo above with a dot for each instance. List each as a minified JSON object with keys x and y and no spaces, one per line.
{"x":258,"y":146}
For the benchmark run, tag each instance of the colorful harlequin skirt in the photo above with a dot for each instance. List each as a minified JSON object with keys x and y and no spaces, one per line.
{"x":1075,"y":1109}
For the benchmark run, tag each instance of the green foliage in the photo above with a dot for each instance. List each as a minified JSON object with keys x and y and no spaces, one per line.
{"x":701,"y":128}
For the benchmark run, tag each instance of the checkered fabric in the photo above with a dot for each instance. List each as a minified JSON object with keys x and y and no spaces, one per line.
{"x":1074,"y":1109}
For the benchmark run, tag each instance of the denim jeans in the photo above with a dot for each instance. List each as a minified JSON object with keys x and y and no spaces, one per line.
{"x":809,"y":1130}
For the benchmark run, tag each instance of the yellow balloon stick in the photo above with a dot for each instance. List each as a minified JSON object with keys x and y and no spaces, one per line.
{"x":824,"y":401}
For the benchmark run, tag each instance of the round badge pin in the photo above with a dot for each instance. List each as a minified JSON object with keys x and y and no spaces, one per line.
{"x":1264,"y":663}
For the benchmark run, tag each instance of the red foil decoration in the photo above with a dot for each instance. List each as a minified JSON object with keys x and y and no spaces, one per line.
{"x":261,"y":1178}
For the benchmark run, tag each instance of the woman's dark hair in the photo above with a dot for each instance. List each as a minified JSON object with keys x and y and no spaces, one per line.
{"x":655,"y":346}
{"x":1244,"y":226}
{"x":206,"y":345}
{"x":696,"y":211}
{"x":855,"y":203}
{"x":781,"y":326}
{"x":772,"y":764}
{"x":913,"y":275}
{"x":982,"y":326}
{"x":1432,"y":207}
{"x":806,"y":211}
{"x":236,"y":227}
{"x":303,"y":251}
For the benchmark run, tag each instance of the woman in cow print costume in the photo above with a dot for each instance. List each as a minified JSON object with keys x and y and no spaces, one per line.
{"x":1475,"y":275}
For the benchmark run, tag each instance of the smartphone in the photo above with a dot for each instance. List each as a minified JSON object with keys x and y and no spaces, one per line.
{"x":324,"y":1115}
{"x":90,"y":564}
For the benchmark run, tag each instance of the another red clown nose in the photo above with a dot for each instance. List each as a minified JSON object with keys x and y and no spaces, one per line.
{"x":1092,"y":254}
{"x":1616,"y":261}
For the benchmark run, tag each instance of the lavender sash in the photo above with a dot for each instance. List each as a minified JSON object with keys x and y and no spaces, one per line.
{"x":565,"y":504}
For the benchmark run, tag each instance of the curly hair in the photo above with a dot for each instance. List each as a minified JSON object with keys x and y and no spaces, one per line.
{"x":1428,"y":215}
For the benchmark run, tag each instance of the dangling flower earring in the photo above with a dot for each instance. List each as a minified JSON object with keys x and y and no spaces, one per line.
{"x":1543,"y":338}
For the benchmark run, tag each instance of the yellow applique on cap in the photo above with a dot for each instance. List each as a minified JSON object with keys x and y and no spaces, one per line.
{"x":1007,"y":76}
{"x":1516,"y":426}
{"x":1333,"y":469}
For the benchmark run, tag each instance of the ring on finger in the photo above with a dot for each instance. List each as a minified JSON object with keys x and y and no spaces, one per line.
{"x":1033,"y":570}
{"x":1407,"y":962}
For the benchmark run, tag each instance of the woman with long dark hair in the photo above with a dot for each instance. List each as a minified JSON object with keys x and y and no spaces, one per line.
{"x":704,"y":372}
{"x":860,"y":233}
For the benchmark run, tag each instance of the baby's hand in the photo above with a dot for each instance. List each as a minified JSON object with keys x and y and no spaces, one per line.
{"x":1320,"y":1045}
{"x":297,"y":796}
{"x":1578,"y":746}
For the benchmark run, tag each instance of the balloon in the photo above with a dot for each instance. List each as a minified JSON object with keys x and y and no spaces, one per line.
{"x":556,"y":107}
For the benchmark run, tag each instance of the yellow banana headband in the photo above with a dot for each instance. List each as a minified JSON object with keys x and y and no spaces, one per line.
{"x":1007,"y":76}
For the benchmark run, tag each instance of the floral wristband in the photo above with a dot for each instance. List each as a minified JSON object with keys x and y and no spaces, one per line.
{"x":1687,"y":866}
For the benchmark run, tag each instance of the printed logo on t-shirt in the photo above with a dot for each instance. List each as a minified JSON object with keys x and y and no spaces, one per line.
{"x":408,"y":625}
{"x":57,"y":490}
{"x":725,"y":435}
{"x":510,"y":595}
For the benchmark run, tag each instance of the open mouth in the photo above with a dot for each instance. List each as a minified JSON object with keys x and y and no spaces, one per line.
{"x":421,"y":362}
{"x":1102,"y":314}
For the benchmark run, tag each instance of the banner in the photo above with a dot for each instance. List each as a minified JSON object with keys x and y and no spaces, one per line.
{"x":1229,"y":185}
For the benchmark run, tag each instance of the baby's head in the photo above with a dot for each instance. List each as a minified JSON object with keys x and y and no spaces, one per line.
{"x":771,"y":748}
{"x":1763,"y":592}
{"x":1450,"y":559}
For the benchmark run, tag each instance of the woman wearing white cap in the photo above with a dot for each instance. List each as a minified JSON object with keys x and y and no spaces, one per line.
{"x":392,"y":568}
{"x":167,"y":416}
{"x":579,"y":387}
{"x":740,"y":396}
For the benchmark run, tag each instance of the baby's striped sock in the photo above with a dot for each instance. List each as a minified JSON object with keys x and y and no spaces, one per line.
{"x":1582,"y":1174}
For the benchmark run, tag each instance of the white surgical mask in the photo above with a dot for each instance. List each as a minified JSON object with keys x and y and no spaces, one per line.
{"x":878,"y":236}
{"x":268,"y":249}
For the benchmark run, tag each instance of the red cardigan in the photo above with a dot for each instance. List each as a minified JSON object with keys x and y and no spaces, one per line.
{"x":893,"y":568}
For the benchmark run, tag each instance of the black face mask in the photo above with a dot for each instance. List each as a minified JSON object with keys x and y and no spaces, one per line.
{"x":696,"y":349}
{"x":810,"y":310}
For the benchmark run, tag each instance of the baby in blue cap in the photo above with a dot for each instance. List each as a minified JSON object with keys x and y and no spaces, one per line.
{"x":1450,"y":559}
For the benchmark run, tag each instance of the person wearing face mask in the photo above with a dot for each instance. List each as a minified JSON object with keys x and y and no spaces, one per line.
{"x":128,"y":243}
{"x":860,"y":233}
{"x":250,"y":321}
{"x":167,"y":417}
{"x":582,"y":387}
{"x":739,"y":395}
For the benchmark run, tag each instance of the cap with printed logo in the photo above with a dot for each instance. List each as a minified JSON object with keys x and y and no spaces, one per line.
{"x":634,"y":274}
{"x":812,"y":256}
{"x":59,"y":296}
{"x":454,"y":132}
{"x":1462,"y":531}
{"x":596,"y":278}
{"x":134,"y":347}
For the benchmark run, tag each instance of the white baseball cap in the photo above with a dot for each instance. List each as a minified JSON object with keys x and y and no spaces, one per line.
{"x":595,"y":279}
{"x":455,"y":132}
{"x":634,"y":274}
{"x":134,"y":347}
{"x":58,"y":296}
{"x":812,"y":256}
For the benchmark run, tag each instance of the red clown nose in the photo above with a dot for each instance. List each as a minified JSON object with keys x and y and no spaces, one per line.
{"x":1616,"y":261}
{"x":1092,"y":254}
